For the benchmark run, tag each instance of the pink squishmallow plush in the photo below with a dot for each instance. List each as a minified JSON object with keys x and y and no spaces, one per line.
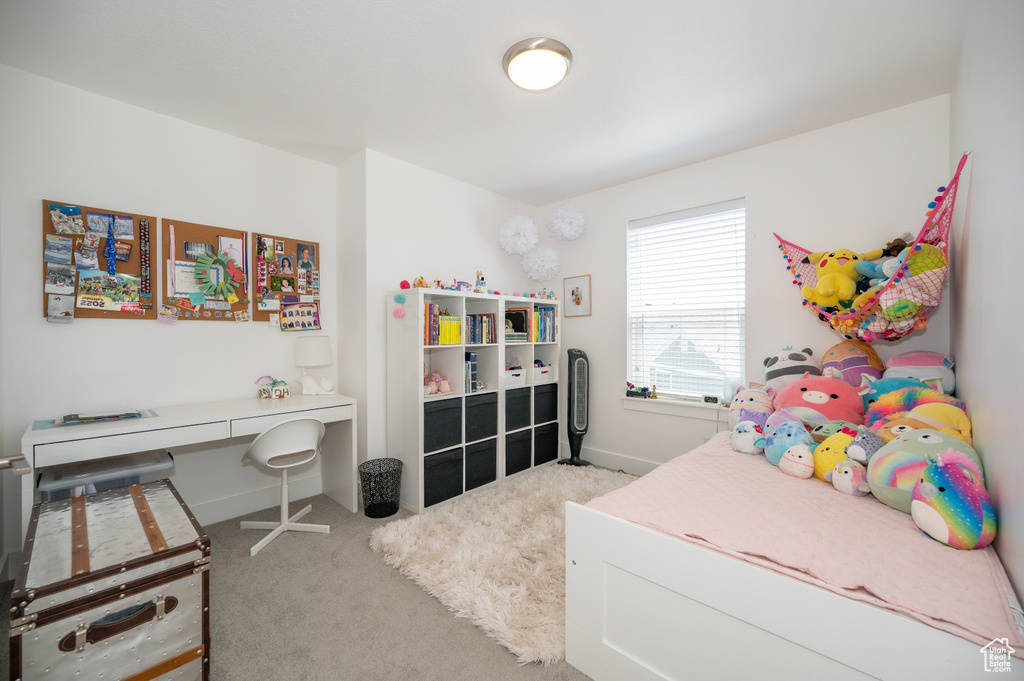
{"x":836,"y":399}
{"x":755,"y":397}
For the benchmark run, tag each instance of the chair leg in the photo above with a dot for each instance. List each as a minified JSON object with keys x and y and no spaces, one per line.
{"x":286,"y":523}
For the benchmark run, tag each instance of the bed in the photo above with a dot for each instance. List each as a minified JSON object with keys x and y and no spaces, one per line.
{"x":717,"y":565}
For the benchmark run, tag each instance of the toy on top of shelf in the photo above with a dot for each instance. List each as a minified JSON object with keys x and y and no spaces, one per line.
{"x":419,"y":282}
{"x":404,"y":284}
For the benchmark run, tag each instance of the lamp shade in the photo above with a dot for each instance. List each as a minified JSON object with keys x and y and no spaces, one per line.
{"x":313,"y":351}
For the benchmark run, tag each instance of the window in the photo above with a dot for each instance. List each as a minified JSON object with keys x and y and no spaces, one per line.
{"x":685,"y":300}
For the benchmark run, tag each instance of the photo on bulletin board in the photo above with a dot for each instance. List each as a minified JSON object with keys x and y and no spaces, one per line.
{"x":206,"y":272}
{"x":577,"y":296}
{"x":305,"y":256}
{"x":300,"y":317}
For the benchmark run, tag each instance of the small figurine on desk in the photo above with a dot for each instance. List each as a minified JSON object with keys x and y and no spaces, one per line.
{"x":271,"y":388}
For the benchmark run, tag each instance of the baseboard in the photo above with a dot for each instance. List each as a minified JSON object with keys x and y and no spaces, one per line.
{"x":216,"y":510}
{"x":614,"y":460}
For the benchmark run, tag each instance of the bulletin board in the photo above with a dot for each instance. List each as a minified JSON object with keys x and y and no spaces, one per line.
{"x":286,"y":282}
{"x":96,"y":263}
{"x":205,"y":272}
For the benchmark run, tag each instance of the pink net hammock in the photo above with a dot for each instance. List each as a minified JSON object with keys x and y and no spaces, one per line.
{"x":900,"y":304}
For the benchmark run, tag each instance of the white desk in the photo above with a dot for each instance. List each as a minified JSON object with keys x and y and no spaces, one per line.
{"x":190,"y":424}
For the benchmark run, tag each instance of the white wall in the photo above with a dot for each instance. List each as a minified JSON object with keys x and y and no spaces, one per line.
{"x":420,"y":223}
{"x":856,"y":185}
{"x":64,"y":144}
{"x":987,"y":105}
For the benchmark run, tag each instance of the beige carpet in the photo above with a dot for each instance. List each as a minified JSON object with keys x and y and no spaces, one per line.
{"x":496,"y":556}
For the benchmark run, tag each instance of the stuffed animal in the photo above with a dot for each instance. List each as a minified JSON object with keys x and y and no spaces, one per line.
{"x":933,"y":368}
{"x":950,"y":503}
{"x":879,"y":272}
{"x":755,"y":397}
{"x":797,"y":461}
{"x":945,"y":418}
{"x":782,"y":437}
{"x":829,"y":453}
{"x":850,"y":361}
{"x":815,"y":396}
{"x":744,"y":437}
{"x":870,"y":390}
{"x":896,"y":467}
{"x":788,"y":366}
{"x":898,"y":403}
{"x":864,"y":445}
{"x":836,"y":275}
{"x":759,"y":418}
{"x":822,"y":431}
{"x":849,"y":477}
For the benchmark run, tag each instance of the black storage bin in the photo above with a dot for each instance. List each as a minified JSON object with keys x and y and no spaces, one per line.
{"x":517,"y":451}
{"x":382,"y":486}
{"x":545,"y":403}
{"x":545,"y":443}
{"x":517,"y":408}
{"x":442,"y":476}
{"x":481,"y":416}
{"x":442,"y":424}
{"x":481,"y":463}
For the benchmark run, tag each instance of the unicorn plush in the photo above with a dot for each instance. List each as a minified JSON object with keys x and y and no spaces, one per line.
{"x":950,"y":502}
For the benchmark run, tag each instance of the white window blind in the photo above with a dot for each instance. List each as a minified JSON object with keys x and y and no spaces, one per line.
{"x":685,"y":300}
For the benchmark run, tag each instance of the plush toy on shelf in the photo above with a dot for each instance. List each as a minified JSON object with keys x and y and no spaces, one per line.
{"x":837,"y":276}
{"x":950,"y":503}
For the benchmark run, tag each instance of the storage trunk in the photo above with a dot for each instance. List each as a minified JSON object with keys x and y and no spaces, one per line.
{"x":113,"y":585}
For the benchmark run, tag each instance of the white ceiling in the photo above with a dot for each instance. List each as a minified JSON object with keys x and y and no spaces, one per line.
{"x":655,"y":84}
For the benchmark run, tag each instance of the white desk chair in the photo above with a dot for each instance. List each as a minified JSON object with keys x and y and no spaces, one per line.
{"x":283,"y":446}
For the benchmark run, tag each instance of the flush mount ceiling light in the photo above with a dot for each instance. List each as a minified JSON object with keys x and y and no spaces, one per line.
{"x":537,"y":63}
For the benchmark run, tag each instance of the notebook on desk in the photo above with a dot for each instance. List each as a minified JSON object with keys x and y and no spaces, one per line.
{"x":94,"y":417}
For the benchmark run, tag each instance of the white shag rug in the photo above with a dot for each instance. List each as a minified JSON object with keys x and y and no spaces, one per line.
{"x":496,"y":556}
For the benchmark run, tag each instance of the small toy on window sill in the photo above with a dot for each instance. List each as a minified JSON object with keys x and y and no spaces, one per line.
{"x":633,"y":391}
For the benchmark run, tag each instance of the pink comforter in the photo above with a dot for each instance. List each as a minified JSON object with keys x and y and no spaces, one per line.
{"x":741,"y":505}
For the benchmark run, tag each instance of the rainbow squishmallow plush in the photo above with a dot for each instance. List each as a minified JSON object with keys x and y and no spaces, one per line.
{"x":755,"y":397}
{"x":849,"y":477}
{"x":830,"y":452}
{"x":870,"y":390}
{"x":950,"y":502}
{"x":895,"y":468}
{"x":836,"y":400}
{"x":788,"y":366}
{"x":899,"y":404}
{"x":851,"y":361}
{"x":797,"y":461}
{"x":782,"y":437}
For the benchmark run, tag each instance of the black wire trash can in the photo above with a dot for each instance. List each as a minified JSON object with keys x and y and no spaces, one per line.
{"x":382,"y":486}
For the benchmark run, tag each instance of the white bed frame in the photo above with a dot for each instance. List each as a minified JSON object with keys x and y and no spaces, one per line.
{"x":642,"y":605}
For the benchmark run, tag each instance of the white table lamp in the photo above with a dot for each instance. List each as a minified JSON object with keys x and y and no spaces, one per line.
{"x":314,"y":351}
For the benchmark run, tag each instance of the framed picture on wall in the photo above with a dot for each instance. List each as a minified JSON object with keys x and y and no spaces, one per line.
{"x":576,"y":298}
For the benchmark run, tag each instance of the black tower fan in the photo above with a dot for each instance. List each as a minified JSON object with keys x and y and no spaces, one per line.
{"x":577,"y":416}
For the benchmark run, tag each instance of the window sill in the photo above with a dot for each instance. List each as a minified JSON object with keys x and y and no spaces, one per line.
{"x":677,"y":407}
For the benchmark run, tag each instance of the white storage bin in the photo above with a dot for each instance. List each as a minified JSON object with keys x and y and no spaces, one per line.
{"x":543,"y":374}
{"x":515,"y":378}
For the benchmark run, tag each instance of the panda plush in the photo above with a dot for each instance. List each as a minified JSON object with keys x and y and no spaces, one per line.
{"x":789,"y":366}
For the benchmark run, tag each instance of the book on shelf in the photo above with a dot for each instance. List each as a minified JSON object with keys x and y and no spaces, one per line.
{"x":544,"y":323}
{"x":480,"y":329}
{"x":471,"y":372}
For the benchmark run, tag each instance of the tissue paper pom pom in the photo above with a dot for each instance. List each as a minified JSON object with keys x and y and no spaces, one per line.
{"x":398,"y":313}
{"x":399,"y":298}
{"x":517,"y":235}
{"x":566,"y":223}
{"x":541,"y":263}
